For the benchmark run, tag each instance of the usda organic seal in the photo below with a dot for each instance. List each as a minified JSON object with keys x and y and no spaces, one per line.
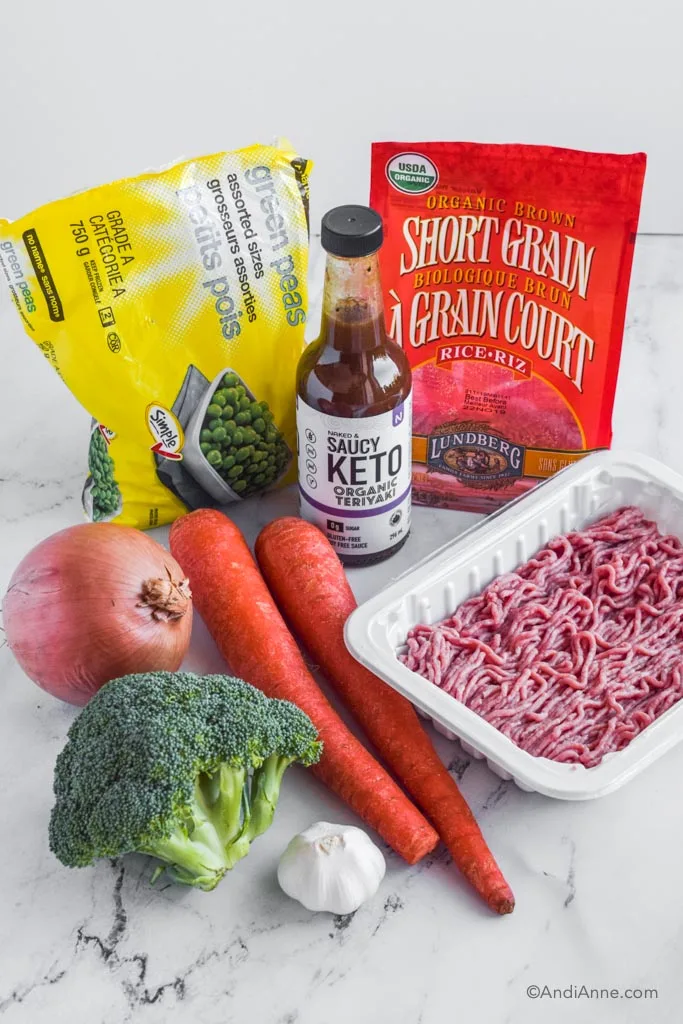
{"x":412,"y":173}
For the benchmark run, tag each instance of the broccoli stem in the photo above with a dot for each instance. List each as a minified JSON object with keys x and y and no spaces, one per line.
{"x":197,"y":859}
{"x":219,"y":794}
{"x":220,"y":824}
{"x":211,"y":839}
{"x":227,"y":806}
{"x":265,"y":791}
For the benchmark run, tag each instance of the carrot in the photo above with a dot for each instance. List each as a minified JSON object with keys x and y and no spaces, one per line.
{"x":231,"y":596}
{"x":308,"y":583}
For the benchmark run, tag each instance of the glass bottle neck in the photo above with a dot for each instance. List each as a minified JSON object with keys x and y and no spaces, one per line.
{"x":353,"y":311}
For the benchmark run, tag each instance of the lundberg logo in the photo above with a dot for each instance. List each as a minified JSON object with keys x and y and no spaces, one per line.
{"x":474,"y":455}
{"x":412,"y":173}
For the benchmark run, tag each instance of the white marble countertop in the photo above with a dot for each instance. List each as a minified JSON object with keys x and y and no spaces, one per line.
{"x":596,"y":883}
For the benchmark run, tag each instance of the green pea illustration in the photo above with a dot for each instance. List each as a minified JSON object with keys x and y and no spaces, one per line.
{"x":238,"y":438}
{"x":104,"y":490}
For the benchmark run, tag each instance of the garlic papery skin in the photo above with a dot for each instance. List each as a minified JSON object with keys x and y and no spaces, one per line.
{"x":331,"y":867}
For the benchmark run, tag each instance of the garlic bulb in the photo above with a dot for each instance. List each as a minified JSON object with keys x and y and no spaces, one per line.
{"x":331,"y":867}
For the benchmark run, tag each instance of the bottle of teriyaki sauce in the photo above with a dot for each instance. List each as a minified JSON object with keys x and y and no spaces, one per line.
{"x":354,"y":403}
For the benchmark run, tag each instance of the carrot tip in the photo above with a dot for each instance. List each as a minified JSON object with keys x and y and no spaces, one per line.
{"x":504,"y":905}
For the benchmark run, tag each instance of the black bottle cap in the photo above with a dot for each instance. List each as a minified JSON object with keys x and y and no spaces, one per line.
{"x":351,"y":231}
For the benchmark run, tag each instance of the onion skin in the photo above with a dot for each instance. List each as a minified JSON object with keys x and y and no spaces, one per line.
{"x":95,"y":602}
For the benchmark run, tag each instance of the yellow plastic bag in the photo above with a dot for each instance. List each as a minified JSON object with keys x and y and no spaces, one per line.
{"x":173,"y":307}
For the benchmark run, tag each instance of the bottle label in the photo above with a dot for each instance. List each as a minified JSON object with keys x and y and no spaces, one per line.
{"x":354,"y":476}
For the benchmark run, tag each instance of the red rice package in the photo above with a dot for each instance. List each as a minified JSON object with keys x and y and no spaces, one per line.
{"x":505,"y":270}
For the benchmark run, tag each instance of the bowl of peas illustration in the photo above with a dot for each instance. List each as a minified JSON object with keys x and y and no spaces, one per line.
{"x":232,"y":447}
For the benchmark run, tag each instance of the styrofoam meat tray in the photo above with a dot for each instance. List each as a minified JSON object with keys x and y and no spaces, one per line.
{"x":435,"y":587}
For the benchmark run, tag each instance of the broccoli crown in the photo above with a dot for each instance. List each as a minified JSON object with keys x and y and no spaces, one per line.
{"x":141,"y":754}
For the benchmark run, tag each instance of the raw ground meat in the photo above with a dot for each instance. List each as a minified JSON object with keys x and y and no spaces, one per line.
{"x":576,"y":652}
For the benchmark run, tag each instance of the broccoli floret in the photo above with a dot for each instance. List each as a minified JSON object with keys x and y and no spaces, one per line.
{"x":181,"y":767}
